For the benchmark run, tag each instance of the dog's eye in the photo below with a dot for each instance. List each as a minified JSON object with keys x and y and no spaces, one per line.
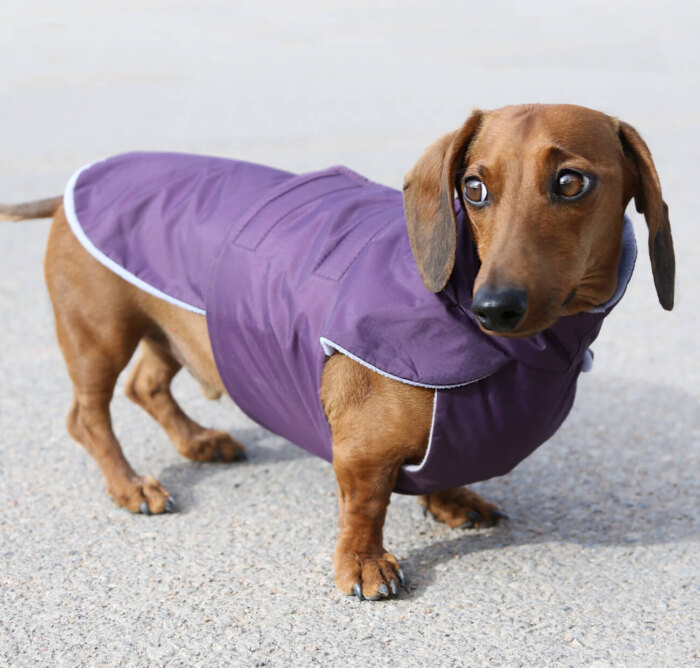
{"x":570,"y":184}
{"x":475,"y":192}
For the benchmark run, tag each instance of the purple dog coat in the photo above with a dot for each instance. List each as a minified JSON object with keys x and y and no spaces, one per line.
{"x":290,"y":269}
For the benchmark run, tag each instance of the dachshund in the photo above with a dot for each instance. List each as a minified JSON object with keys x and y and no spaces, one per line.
{"x":512,"y":227}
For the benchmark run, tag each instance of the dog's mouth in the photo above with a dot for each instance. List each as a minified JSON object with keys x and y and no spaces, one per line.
{"x":524,"y":334}
{"x":570,"y":297}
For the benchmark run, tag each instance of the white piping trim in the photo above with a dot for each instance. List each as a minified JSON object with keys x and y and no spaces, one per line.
{"x":415,"y":468}
{"x":71,"y":215}
{"x":329,"y":346}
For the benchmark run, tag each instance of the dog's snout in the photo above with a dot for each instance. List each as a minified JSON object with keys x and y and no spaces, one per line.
{"x":499,"y":309}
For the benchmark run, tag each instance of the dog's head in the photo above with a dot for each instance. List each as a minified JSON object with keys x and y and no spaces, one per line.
{"x":544,"y":188}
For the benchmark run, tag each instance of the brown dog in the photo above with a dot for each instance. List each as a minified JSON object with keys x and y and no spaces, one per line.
{"x":558,"y":253}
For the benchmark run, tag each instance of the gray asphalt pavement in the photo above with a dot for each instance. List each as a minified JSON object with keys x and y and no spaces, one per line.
{"x":598,"y":565}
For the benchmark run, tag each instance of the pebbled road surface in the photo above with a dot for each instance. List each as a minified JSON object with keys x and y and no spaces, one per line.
{"x":598,"y":565}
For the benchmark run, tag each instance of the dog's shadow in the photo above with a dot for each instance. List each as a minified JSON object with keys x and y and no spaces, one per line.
{"x":264,"y":450}
{"x":622,"y":471}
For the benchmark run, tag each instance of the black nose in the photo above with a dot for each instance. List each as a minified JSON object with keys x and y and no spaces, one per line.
{"x":500,"y":309}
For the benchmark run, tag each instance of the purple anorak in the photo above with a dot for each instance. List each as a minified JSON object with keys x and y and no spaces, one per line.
{"x":289,"y":269}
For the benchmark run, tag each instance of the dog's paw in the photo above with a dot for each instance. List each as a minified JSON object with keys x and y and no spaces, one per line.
{"x":213,"y":445}
{"x":369,"y":577}
{"x":460,"y":507}
{"x":143,"y":495}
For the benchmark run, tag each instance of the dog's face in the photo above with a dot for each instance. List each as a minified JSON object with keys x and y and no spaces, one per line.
{"x":544,"y":188}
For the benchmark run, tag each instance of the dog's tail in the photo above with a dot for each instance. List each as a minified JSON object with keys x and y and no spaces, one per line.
{"x":43,"y":208}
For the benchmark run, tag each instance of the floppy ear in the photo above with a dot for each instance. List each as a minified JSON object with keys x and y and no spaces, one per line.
{"x":428,"y":197}
{"x":648,"y":200}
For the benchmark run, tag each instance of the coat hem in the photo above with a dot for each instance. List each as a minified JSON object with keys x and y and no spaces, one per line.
{"x":330,"y":346}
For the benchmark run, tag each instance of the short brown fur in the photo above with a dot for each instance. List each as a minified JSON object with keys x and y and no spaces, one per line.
{"x":565,"y":257}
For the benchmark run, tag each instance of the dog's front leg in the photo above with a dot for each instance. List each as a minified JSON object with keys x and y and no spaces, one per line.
{"x":362,"y":564}
{"x":378,"y":425}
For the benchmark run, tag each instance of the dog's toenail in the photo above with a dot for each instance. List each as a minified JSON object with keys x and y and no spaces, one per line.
{"x":144,"y":508}
{"x":402,"y":579}
{"x":240,"y":456}
{"x":499,"y":515}
{"x":475,"y":517}
{"x":357,"y":590}
{"x":170,"y":505}
{"x":383,"y":590}
{"x":217,"y":455}
{"x":394,"y":587}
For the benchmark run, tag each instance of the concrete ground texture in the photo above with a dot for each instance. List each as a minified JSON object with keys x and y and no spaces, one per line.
{"x":598,"y":564}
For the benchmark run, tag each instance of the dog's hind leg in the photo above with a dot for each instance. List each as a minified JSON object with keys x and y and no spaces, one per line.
{"x":98,"y":330}
{"x":460,"y":507}
{"x":149,"y":387}
{"x":89,"y":422}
